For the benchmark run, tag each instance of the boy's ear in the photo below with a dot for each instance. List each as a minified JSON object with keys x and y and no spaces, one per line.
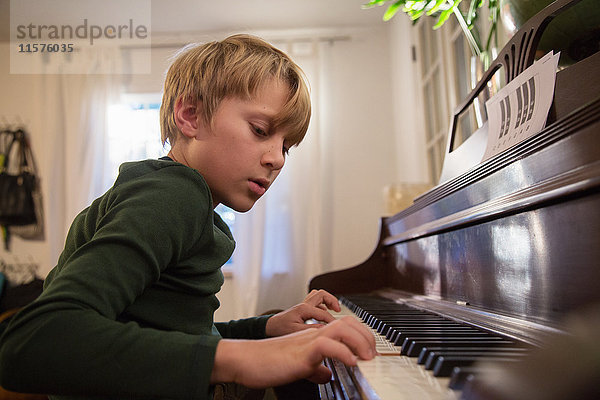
{"x":187,"y":118}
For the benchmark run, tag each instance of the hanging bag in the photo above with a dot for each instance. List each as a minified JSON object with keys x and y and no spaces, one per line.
{"x":17,"y":205}
{"x":34,"y":231}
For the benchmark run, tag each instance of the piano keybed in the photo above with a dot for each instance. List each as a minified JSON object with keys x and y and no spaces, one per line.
{"x":422,"y":355}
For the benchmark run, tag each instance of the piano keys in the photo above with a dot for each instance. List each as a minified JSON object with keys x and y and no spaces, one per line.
{"x":436,"y":347}
{"x":393,"y":375}
{"x":475,"y":278}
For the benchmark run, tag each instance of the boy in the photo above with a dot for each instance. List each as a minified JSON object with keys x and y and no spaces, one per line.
{"x":128,"y":310}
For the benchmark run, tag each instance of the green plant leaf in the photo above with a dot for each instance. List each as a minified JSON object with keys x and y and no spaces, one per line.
{"x":374,"y":3}
{"x":416,"y":14}
{"x":446,"y":14}
{"x":436,"y":6}
{"x":416,"y":8}
{"x":392,"y":10}
{"x":471,"y":16}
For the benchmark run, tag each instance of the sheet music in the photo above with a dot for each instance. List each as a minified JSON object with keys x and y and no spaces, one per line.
{"x":519,"y":110}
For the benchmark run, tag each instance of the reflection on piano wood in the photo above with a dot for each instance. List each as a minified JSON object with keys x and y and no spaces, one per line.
{"x":495,"y":258}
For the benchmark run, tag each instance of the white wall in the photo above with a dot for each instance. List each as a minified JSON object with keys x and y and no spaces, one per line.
{"x":363,"y":158}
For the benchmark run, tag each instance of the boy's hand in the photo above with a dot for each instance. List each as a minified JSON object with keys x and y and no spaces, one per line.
{"x":314,"y":306}
{"x":277,"y":361}
{"x":322,"y":299}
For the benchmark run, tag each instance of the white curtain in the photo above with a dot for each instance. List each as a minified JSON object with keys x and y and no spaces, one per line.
{"x":282,"y":242}
{"x":72,"y":113}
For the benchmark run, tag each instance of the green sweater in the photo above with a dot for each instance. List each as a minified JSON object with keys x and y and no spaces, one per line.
{"x":128,"y":310}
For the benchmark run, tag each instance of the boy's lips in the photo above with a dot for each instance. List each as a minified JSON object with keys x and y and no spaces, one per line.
{"x":258,"y":186}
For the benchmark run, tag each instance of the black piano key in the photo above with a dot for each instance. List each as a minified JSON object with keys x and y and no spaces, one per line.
{"x":378,"y":318}
{"x":441,"y":328}
{"x":393,"y":331}
{"x":393,"y":313}
{"x":375,"y":320}
{"x":414,"y":319}
{"x":385,"y":326}
{"x":479,"y":336}
{"x":417,"y":319}
{"x":402,"y":316}
{"x":396,"y":329}
{"x":426,"y":351}
{"x":416,"y":346}
{"x":445,"y":365}
{"x":409,"y":318}
{"x":459,"y":376}
{"x":435,"y":356}
{"x":401,"y":335}
{"x":390,"y":313}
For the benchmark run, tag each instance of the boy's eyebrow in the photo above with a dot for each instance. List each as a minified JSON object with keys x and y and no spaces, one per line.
{"x":270,"y":119}
{"x":261,"y":113}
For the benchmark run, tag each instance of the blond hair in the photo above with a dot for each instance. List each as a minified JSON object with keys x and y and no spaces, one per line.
{"x":236,"y":66}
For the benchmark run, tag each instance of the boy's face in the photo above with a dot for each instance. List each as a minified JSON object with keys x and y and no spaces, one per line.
{"x":241,"y":154}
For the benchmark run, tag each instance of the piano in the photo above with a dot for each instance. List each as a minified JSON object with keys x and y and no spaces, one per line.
{"x":488,"y":285}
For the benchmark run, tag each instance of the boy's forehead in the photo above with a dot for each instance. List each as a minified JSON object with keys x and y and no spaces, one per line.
{"x":270,"y":98}
{"x":269,"y":87}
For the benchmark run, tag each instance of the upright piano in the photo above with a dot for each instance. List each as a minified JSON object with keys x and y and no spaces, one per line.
{"x":488,"y":285}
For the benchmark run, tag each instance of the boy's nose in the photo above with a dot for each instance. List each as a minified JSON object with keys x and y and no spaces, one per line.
{"x":273,"y":157}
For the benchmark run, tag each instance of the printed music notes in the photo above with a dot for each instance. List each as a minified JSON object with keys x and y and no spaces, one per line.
{"x":519,"y":110}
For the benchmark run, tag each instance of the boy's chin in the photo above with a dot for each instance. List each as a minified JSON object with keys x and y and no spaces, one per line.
{"x":241,"y":206}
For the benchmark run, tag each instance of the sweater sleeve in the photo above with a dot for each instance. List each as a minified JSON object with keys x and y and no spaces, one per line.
{"x":247,"y":328}
{"x":70,"y":342}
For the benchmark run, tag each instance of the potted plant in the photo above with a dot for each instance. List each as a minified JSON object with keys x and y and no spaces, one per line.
{"x":582,"y":23}
{"x":483,"y":51}
{"x":444,"y":9}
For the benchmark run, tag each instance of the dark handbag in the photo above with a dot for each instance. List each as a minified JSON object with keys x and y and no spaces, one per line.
{"x":16,"y":189}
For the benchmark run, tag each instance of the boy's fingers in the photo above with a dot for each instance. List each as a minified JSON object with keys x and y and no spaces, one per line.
{"x":335,"y":348}
{"x":317,"y":298}
{"x":352,"y":337}
{"x":316,"y":313}
{"x":348,"y":323}
{"x":321,"y":375}
{"x":356,"y":324}
{"x":315,"y":325}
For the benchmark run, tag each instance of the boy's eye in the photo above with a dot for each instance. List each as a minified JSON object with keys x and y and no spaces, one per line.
{"x":259,"y":131}
{"x":285,"y":150}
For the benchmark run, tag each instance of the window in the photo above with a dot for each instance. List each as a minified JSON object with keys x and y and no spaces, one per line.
{"x":447,"y":73}
{"x":433,"y":92}
{"x":134,"y":134}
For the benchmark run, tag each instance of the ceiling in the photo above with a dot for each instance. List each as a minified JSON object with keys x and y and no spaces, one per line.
{"x":170,"y":16}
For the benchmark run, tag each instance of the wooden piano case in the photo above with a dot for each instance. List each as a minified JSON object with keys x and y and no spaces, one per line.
{"x":511,"y":244}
